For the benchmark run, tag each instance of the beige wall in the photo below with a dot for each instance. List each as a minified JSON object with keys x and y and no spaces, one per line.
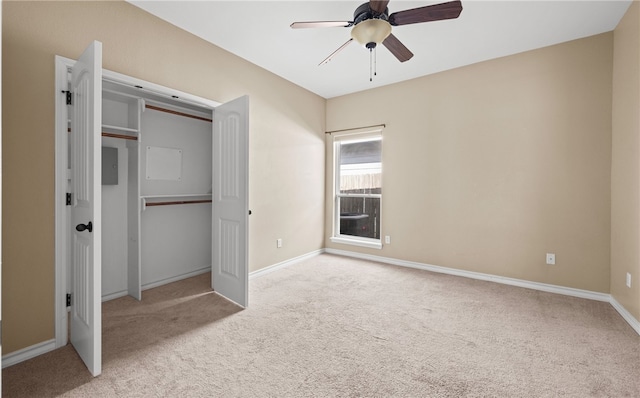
{"x":287,"y":127}
{"x":625,"y":168}
{"x":488,"y":167}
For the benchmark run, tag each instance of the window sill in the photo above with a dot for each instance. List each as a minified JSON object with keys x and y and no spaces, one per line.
{"x":362,"y":242}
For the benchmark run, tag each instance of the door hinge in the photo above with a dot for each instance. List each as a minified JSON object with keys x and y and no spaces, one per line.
{"x":68,"y":199}
{"x":68,"y":94}
{"x":68,"y":299}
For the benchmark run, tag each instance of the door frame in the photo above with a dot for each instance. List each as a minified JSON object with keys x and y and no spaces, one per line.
{"x":62,"y":211}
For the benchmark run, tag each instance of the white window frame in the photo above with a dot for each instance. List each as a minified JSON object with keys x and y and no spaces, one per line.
{"x":364,"y":134}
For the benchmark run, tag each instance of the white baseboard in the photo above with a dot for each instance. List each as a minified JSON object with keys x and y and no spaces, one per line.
{"x":113,"y":296}
{"x":633,"y":322}
{"x":200,"y":271}
{"x":567,"y":291}
{"x":284,"y":264}
{"x":46,"y":346}
{"x":28,"y":353}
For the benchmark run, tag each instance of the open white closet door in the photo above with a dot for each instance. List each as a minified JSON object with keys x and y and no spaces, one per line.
{"x":230,"y":274}
{"x":86,"y":111}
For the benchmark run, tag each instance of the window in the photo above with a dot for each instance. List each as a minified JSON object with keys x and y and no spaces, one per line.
{"x":358,"y":189}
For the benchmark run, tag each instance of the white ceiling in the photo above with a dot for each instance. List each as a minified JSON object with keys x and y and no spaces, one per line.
{"x":259,"y":32}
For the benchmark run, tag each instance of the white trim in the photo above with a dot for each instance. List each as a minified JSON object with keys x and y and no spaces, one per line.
{"x":284,"y":264}
{"x":153,"y":88}
{"x":365,"y":134}
{"x":46,"y":346}
{"x":544,"y":287}
{"x":357,"y":134}
{"x":567,"y":291}
{"x":254,"y":274}
{"x":176,"y":278}
{"x":360,"y":195}
{"x":633,"y":322}
{"x":28,"y":353}
{"x":61,"y":213}
{"x":158,"y":89}
{"x":113,"y":296}
{"x":362,"y":242}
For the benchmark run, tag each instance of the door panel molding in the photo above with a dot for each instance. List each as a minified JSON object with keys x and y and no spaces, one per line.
{"x":86,"y":207}
{"x":230,"y":211}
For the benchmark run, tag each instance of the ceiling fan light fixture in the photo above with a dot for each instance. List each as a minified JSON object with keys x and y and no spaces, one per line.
{"x":371,"y":31}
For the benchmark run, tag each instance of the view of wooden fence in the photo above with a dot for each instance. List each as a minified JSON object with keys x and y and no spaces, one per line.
{"x":360,"y":216}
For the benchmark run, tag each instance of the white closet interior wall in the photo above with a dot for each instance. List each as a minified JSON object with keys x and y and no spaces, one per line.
{"x":157,"y":218}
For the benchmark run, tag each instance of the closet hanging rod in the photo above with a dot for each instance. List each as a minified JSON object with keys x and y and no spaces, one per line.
{"x":113,"y":135}
{"x":178,"y":202}
{"x":124,"y":137}
{"x":157,"y":108}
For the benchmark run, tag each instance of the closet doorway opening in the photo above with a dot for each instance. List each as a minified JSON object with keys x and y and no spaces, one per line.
{"x":151,"y":188}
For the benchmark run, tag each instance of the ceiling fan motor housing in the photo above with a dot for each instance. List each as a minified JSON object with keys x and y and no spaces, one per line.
{"x":370,"y":27}
{"x":365,"y":12}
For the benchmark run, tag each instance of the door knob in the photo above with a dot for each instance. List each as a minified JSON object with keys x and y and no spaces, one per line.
{"x":82,"y":227}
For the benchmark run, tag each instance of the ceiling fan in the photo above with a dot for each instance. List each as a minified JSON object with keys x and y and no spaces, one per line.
{"x":372,"y":25}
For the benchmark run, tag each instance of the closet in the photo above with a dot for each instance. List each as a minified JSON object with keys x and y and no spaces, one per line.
{"x":156,"y":190}
{"x":151,"y":187}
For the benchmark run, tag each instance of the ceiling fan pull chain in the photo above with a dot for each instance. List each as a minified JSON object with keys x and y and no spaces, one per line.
{"x":370,"y":64}
{"x":375,"y":61}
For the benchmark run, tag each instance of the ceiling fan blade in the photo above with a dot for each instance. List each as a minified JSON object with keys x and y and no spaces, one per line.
{"x":335,"y":52}
{"x":321,"y":24}
{"x":378,"y":6}
{"x":397,"y":48}
{"x":435,"y":12}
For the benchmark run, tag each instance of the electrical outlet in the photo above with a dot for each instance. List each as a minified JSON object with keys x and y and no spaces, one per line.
{"x":279,"y":243}
{"x":628,"y":279}
{"x":387,"y":239}
{"x":551,"y":258}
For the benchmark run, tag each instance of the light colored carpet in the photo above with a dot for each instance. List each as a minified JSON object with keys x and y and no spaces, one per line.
{"x":333,"y":326}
